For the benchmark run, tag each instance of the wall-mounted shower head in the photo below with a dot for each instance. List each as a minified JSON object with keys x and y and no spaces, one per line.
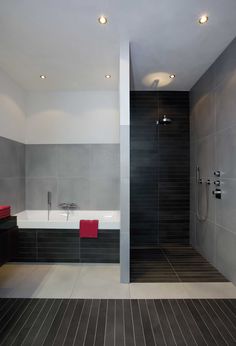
{"x":164,"y":121}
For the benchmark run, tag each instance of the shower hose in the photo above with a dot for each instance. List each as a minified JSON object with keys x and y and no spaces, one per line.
{"x":200,"y":187}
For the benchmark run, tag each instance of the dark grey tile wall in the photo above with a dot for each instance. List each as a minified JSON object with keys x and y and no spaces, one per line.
{"x":58,"y":245}
{"x":86,"y":174}
{"x":12,"y":174}
{"x":159,"y":169}
{"x":213,"y":147}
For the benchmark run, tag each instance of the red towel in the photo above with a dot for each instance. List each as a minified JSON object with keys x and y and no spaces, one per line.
{"x":5,"y":211}
{"x":88,"y":228}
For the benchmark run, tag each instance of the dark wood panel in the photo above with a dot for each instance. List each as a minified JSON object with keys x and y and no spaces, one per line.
{"x":118,"y":322}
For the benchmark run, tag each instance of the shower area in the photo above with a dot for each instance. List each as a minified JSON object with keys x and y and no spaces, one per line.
{"x":160,"y":246}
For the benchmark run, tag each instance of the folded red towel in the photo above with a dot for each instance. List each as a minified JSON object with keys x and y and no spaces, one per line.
{"x":4,"y":207}
{"x":88,"y":228}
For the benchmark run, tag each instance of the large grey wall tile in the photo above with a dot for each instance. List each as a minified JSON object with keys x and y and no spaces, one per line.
{"x":74,"y":190}
{"x":204,"y":116}
{"x":213,"y":105}
{"x":192,"y":227}
{"x":205,"y":239}
{"x":226,"y":207}
{"x":36,"y":193}
{"x":12,"y":193}
{"x":105,"y":194}
{"x":226,"y":152}
{"x":225,"y":65}
{"x":225,"y":103}
{"x":205,"y":156}
{"x":193,"y":194}
{"x":41,"y":161}
{"x":225,"y":253}
{"x":74,"y":160}
{"x":105,"y":161}
{"x":12,"y":158}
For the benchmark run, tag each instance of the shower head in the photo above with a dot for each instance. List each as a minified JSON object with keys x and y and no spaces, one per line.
{"x":164,"y":121}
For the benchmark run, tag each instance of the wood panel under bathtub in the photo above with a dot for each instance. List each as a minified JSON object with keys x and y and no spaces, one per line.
{"x":65,"y":245}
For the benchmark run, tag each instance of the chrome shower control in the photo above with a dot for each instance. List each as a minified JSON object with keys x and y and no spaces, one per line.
{"x":217,"y":183}
{"x":217,"y":173}
{"x":217,"y":193}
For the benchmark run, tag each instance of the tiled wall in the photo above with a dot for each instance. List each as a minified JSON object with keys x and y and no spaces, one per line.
{"x":213,"y":147}
{"x":12,"y":174}
{"x":159,"y":168}
{"x":86,"y":174}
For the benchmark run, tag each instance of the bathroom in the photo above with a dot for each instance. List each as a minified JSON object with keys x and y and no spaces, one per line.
{"x":140,"y":144}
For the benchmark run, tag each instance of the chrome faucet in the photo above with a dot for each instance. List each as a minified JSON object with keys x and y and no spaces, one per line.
{"x":68,"y":207}
{"x":49,"y":203}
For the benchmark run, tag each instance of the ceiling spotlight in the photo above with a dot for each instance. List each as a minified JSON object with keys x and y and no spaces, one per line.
{"x":43,"y":76}
{"x":108,"y":76}
{"x":102,"y":20}
{"x":203,"y":19}
{"x":172,"y":76}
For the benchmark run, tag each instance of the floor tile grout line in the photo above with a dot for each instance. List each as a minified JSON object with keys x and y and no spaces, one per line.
{"x":173,"y":313}
{"x":12,"y":327}
{"x":123,"y":320}
{"x":68,"y":302}
{"x":34,"y":320}
{"x":78,"y":324}
{"x":141,"y":322}
{"x":95,"y":334}
{"x":35,"y":338}
{"x":53,"y":320}
{"x":150,"y":320}
{"x":222,"y":322}
{"x":212,"y":320}
{"x":180,"y":308}
{"x":105,"y":329}
{"x":227,"y":318}
{"x":132,"y":318}
{"x":157,"y":314}
{"x":227,"y":308}
{"x":86,"y":330}
{"x":195,"y":321}
{"x":168,"y":322}
{"x":203,"y":320}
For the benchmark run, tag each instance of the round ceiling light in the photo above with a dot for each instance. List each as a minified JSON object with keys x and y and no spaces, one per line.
{"x":43,"y":76}
{"x":107,"y":76}
{"x":172,"y":76}
{"x":203,"y":19}
{"x":102,"y":20}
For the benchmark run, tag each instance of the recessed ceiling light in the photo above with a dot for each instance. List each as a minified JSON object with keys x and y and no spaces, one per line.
{"x":108,"y":76}
{"x":102,"y":20}
{"x":43,"y":76}
{"x":172,"y":76}
{"x":203,"y":19}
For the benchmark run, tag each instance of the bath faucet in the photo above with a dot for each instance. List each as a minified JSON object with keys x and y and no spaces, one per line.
{"x":68,"y":207}
{"x":49,"y":203}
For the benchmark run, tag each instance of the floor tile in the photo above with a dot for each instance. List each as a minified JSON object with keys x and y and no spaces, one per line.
{"x":100,"y":282}
{"x":207,"y":290}
{"x":157,"y":291}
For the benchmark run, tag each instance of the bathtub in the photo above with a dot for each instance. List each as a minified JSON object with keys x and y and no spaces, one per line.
{"x":38,"y":219}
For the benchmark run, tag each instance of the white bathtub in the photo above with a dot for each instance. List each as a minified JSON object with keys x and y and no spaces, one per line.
{"x":108,"y":219}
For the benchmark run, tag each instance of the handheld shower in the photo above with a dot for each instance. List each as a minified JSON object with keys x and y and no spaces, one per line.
{"x":206,"y":184}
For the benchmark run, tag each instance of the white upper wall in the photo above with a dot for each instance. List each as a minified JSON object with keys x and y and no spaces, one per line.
{"x":72,"y":117}
{"x":12,"y":109}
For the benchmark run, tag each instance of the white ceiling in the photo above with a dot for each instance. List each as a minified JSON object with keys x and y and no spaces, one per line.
{"x":62,"y":39}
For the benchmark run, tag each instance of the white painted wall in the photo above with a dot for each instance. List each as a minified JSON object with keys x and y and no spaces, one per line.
{"x":12,"y":109}
{"x":72,"y":117}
